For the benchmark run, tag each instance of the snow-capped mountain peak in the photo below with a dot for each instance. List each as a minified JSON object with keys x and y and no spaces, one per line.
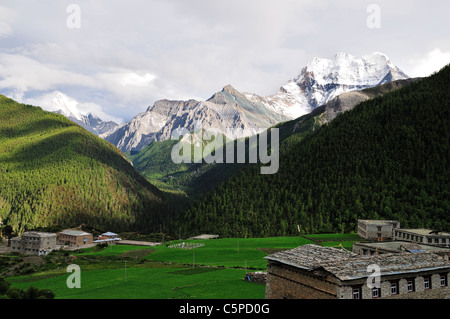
{"x":323,"y":79}
{"x":60,"y":103}
{"x":77,"y":112}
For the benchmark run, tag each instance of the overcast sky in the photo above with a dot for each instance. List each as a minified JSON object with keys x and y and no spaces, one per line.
{"x":119,"y":57}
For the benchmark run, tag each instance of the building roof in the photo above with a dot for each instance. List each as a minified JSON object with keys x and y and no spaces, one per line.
{"x":425,"y":232}
{"x":72,"y":232}
{"x":396,"y":246}
{"x":377,"y":222}
{"x":310,"y":256}
{"x":109,"y":234}
{"x":38,"y":234}
{"x":349,"y":266}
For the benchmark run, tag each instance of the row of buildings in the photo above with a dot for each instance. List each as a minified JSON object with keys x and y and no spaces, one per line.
{"x":42,"y":243}
{"x":382,"y":230}
{"x":392,"y":263}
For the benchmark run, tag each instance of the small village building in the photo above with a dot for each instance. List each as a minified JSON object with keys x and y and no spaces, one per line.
{"x":377,"y":229}
{"x":71,"y":237}
{"x":34,"y":243}
{"x":316,"y":272}
{"x":108,"y":237}
{"x":423,"y":236}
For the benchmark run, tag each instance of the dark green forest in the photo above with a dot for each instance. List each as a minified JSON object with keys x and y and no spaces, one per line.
{"x":55,"y":174}
{"x":386,"y":158}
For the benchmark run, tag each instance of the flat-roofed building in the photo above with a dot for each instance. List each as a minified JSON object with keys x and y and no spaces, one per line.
{"x":423,"y":236}
{"x":377,"y":229}
{"x":34,"y":243}
{"x":387,"y":247}
{"x":316,"y":272}
{"x":71,"y":237}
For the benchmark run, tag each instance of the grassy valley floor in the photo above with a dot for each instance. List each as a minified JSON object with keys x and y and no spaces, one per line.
{"x":213,"y":271}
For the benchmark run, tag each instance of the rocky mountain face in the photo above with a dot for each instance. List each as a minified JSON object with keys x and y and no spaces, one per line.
{"x":318,"y":83}
{"x":225,"y":110}
{"x":347,"y":101}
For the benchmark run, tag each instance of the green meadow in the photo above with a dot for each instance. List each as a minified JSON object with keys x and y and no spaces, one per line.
{"x":213,"y":271}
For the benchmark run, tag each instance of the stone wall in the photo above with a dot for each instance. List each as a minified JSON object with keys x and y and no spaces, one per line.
{"x":258,"y":277}
{"x":286,"y":282}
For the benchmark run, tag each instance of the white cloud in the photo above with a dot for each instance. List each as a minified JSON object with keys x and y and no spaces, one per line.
{"x":7,"y":17}
{"x":431,"y":62}
{"x":128,"y":54}
{"x":23,"y":74}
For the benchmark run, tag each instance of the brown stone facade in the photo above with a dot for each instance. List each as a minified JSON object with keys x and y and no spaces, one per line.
{"x":287,"y":282}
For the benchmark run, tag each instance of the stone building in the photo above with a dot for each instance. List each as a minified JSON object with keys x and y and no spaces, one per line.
{"x":34,"y":243}
{"x":377,"y":229}
{"x":316,"y":272}
{"x":423,"y":236}
{"x":71,"y":237}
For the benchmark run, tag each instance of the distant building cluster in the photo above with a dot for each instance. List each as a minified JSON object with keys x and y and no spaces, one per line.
{"x":42,"y":243}
{"x":408,"y":264}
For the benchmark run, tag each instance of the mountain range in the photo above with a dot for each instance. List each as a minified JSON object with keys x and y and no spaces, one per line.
{"x":387,"y":157}
{"x":319,"y":82}
{"x":371,"y":143}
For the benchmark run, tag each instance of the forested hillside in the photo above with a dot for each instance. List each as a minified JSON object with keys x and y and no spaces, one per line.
{"x":386,"y":158}
{"x":54,"y":174}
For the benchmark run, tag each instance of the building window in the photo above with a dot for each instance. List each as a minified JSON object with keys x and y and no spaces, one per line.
{"x":356,"y":293}
{"x":410,"y":285}
{"x":378,"y":228}
{"x":443,"y":280}
{"x":376,"y":292}
{"x":394,"y":288}
{"x":427,"y":283}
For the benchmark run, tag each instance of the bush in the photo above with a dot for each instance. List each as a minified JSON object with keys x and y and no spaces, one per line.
{"x":4,"y":286}
{"x":8,"y":292}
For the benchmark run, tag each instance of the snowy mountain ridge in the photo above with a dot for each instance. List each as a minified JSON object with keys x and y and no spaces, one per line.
{"x":322,"y":79}
{"x":60,"y":103}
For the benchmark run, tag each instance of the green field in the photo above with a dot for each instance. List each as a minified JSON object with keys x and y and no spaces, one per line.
{"x":213,"y":271}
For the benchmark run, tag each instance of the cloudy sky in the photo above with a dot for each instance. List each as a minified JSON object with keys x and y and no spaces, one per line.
{"x":118,"y":57}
